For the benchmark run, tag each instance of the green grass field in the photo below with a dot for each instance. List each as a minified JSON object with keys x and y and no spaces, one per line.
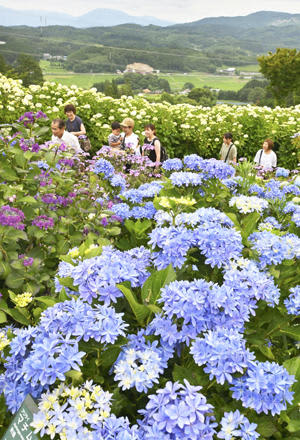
{"x":53,"y":72}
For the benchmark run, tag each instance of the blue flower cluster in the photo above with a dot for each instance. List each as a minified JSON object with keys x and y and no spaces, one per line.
{"x":223,"y":352}
{"x":292,"y":303}
{"x":233,"y":184}
{"x":274,"y":249}
{"x":79,"y":319}
{"x":217,"y":169}
{"x":218,"y":243}
{"x":264,"y":388}
{"x":185,"y":178}
{"x":246,"y":280}
{"x":192,"y":307}
{"x":118,"y":181}
{"x":236,"y":425}
{"x":282,"y":172}
{"x":103,"y":166}
{"x":97,"y":277}
{"x":124,"y":211}
{"x":193,"y":162}
{"x":269,"y":223}
{"x":172,"y":165}
{"x":180,"y":412}
{"x":37,"y":360}
{"x":140,"y":363}
{"x":147,"y":190}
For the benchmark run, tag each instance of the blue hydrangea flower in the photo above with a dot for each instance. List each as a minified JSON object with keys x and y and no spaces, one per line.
{"x":43,"y":165}
{"x":217,"y":169}
{"x":193,"y":162}
{"x":97,"y":277}
{"x":236,"y":425}
{"x":140,"y":363}
{"x":180,"y":411}
{"x":282,"y":172}
{"x":265,"y":388}
{"x":269,"y":223}
{"x":118,"y":181}
{"x":185,"y":178}
{"x":223,"y":352}
{"x":172,"y":165}
{"x":79,"y":319}
{"x":292,"y":303}
{"x":274,"y":249}
{"x":102,"y":166}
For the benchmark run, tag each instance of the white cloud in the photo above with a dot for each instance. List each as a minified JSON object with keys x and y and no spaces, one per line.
{"x":173,"y":10}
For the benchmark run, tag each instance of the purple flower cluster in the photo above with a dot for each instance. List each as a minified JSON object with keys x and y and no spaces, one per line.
{"x":66,"y":162}
{"x":29,"y":117}
{"x":54,"y":199}
{"x":12,"y":217}
{"x":43,"y":222}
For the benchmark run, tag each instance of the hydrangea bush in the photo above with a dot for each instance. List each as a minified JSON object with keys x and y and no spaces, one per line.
{"x":182,"y":128}
{"x":180,"y":324}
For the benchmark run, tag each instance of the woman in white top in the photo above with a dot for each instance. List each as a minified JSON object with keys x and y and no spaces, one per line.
{"x":266,"y":157}
{"x":130,"y":140}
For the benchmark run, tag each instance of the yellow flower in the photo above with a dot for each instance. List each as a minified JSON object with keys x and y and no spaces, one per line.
{"x":74,"y":253}
{"x":3,"y":341}
{"x":23,"y":299}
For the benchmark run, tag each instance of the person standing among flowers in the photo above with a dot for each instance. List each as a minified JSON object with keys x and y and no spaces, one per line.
{"x":266,"y":157}
{"x":152,"y":146}
{"x":74,"y":124}
{"x":130,"y":140}
{"x":61,"y":136}
{"x":228,"y":152}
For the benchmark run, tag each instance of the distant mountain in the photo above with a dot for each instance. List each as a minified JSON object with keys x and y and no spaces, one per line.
{"x":97,"y":17}
{"x":255,"y":20}
{"x":204,"y":45}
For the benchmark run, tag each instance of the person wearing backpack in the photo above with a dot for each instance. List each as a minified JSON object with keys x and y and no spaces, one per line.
{"x":228,"y":152}
{"x":266,"y":156}
{"x":152,"y":146}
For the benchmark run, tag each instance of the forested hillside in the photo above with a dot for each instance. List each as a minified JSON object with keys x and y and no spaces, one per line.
{"x":202,"y":45}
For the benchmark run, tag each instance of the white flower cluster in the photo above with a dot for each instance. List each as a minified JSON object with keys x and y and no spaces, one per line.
{"x":247,"y":204}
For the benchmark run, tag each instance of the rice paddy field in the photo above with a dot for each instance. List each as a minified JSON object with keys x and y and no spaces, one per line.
{"x":52,"y":72}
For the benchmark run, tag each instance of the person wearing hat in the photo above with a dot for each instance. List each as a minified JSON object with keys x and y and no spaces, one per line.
{"x":130,"y":140}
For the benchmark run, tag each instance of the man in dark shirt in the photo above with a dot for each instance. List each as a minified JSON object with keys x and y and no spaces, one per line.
{"x":74,"y":123}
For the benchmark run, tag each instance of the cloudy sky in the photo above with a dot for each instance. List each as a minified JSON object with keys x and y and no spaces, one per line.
{"x":173,"y":10}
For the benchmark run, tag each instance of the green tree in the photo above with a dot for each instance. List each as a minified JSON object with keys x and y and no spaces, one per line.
{"x":125,"y":89}
{"x":188,"y":85}
{"x":203,"y":96}
{"x":282,"y":69}
{"x":256,"y":95}
{"x":3,"y":65}
{"x":28,"y":70}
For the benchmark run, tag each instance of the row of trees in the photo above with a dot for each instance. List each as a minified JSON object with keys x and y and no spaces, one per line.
{"x":25,"y":68}
{"x":132,"y":83}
